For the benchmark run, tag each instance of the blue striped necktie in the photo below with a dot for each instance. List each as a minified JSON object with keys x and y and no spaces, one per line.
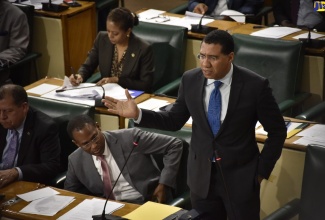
{"x":8,"y":161}
{"x":214,"y":109}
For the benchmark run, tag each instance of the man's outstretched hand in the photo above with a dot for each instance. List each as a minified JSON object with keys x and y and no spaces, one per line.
{"x":125,"y":108}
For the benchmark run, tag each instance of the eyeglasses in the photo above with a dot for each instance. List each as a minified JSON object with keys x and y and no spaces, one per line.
{"x":160,"y":18}
{"x":91,"y":142}
{"x":210,"y":58}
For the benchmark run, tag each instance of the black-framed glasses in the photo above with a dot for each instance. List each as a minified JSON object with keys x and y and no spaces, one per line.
{"x":91,"y":142}
{"x":160,"y":18}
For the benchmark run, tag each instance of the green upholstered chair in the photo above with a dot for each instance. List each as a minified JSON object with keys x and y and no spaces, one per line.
{"x":280,"y":61}
{"x":311,"y":202}
{"x":61,"y":112}
{"x":315,"y":113}
{"x":20,"y":72}
{"x":169,"y":48}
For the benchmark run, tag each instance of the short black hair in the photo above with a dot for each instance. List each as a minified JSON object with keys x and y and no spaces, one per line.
{"x":17,"y":92}
{"x":78,"y":123}
{"x":123,"y":18}
{"x":221,"y":37}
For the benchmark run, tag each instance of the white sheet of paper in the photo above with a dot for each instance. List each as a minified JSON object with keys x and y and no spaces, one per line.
{"x":87,"y":208}
{"x":275,"y":32}
{"x":292,"y":126}
{"x":153,"y":103}
{"x":149,"y":14}
{"x":48,"y":206}
{"x":313,"y":35}
{"x":236,"y":15}
{"x":43,"y":89}
{"x":37,"y":194}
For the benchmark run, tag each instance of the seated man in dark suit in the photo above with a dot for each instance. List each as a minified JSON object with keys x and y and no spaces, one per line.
{"x":14,"y":36}
{"x":215,"y":7}
{"x":99,"y":152}
{"x":29,"y":140}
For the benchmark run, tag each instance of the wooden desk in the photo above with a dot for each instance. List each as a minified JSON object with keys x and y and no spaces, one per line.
{"x":64,"y":38}
{"x":107,"y":120}
{"x":20,"y":187}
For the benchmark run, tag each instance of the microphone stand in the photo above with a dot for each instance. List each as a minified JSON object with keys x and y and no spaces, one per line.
{"x":104,"y":216}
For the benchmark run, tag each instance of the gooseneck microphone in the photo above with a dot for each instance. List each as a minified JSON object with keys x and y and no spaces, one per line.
{"x":104,"y":216}
{"x":203,"y":29}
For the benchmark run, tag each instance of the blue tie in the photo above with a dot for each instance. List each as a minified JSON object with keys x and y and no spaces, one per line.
{"x":214,"y":109}
{"x":8,"y":161}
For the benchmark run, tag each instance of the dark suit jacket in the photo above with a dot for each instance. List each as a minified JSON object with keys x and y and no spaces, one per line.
{"x":140,"y":171}
{"x":39,"y":152}
{"x":250,"y":101}
{"x":243,"y":6}
{"x":138,"y":65}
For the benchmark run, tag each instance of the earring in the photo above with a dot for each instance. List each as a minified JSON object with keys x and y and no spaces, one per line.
{"x":128,"y":35}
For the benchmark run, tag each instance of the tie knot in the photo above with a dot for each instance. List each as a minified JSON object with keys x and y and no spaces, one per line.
{"x":217,"y":84}
{"x":101,"y":157}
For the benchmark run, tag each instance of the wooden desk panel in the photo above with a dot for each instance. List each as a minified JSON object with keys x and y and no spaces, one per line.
{"x":20,"y":187}
{"x":64,"y":38}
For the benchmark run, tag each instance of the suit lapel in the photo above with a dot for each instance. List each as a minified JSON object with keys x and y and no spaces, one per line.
{"x":119,"y":155}
{"x":236,"y":87}
{"x":26,"y":136}
{"x":108,"y":47}
{"x":202,"y":81}
{"x":131,"y":56}
{"x":3,"y":135}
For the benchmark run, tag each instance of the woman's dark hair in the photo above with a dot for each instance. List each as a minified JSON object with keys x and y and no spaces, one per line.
{"x":123,"y":18}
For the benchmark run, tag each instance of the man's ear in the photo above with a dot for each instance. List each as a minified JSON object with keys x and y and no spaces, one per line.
{"x":97,"y":126}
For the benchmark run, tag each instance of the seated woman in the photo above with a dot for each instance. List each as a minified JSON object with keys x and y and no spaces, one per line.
{"x":121,"y":56}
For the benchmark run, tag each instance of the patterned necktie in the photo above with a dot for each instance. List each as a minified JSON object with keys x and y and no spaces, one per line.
{"x":106,"y":177}
{"x":214,"y":109}
{"x":8,"y":161}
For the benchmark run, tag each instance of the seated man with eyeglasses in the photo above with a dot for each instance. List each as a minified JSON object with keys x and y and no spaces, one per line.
{"x":95,"y":166}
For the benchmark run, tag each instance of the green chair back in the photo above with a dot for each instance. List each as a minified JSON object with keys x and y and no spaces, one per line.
{"x":61,"y":112}
{"x":169,"y":48}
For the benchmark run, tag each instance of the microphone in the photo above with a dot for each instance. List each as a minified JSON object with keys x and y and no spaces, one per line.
{"x":98,"y":101}
{"x":104,"y":216}
{"x":203,"y":29}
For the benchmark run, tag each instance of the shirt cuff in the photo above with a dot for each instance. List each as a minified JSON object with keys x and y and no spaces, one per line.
{"x":139,"y":118}
{"x":20,"y":174}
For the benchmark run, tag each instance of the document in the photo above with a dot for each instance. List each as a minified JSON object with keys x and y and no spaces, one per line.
{"x":236,"y":15}
{"x":312,"y":135}
{"x":42,"y":89}
{"x":37,"y":194}
{"x":313,"y":35}
{"x":89,"y":207}
{"x":48,"y":206}
{"x":292,"y":128}
{"x":152,"y":211}
{"x":275,"y":32}
{"x":86,"y":93}
{"x":153,"y":104}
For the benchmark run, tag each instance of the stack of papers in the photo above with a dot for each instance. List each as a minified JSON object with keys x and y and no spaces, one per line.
{"x":292,"y":128}
{"x":89,"y":207}
{"x":275,"y":32}
{"x":44,"y":201}
{"x":312,"y":135}
{"x":152,"y":211}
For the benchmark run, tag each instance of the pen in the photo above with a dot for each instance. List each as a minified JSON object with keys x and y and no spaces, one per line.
{"x":258,"y":26}
{"x":73,"y":73}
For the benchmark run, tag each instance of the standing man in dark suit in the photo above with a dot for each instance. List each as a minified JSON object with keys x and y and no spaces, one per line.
{"x":29,"y":140}
{"x":225,"y":167}
{"x":140,"y":181}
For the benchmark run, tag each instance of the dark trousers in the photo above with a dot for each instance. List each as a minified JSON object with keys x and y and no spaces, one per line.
{"x":220,"y":204}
